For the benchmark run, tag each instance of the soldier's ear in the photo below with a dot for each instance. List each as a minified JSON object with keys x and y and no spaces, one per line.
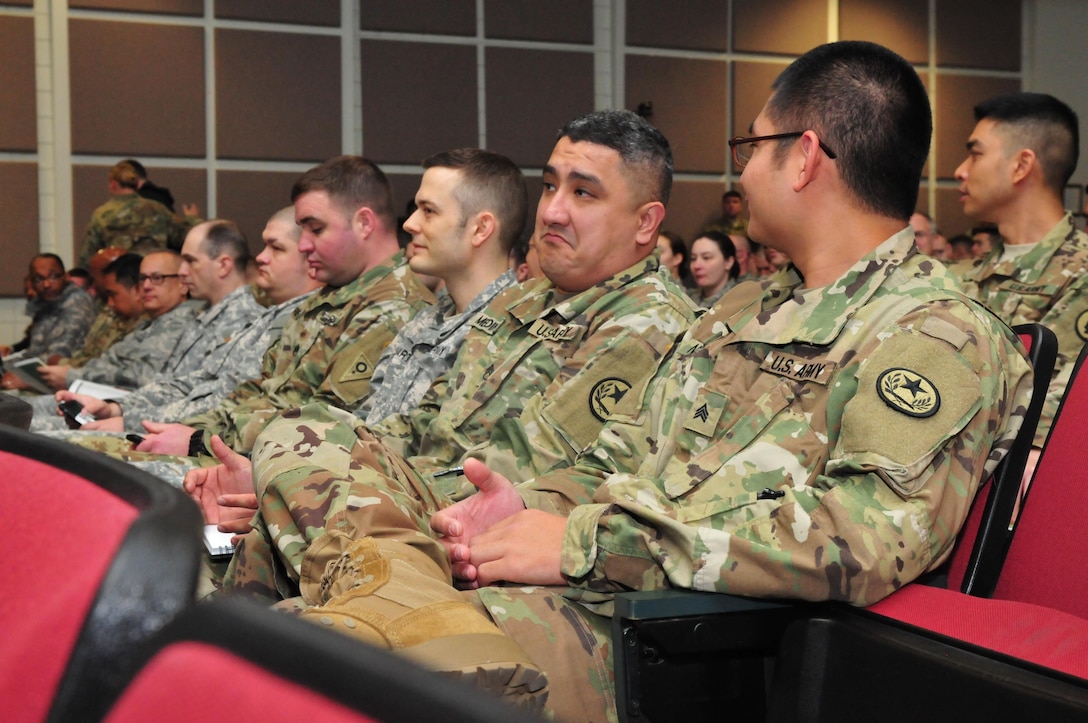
{"x":483,"y":226}
{"x":650,"y":216}
{"x":363,"y":221}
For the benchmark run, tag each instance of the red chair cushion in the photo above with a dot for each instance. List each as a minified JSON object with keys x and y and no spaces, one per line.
{"x":62,"y":533}
{"x":1043,"y":636}
{"x":192,"y":681}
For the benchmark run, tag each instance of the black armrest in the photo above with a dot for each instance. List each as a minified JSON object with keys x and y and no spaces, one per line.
{"x":685,"y":656}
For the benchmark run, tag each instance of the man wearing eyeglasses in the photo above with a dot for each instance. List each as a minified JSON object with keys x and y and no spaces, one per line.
{"x":284,"y":277}
{"x":62,"y":313}
{"x":818,"y":435}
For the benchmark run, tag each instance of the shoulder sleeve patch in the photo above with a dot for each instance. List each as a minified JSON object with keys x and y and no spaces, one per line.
{"x":1082,"y":326}
{"x":913,"y":395}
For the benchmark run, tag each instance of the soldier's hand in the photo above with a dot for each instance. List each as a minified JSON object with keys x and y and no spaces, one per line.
{"x":525,"y":548}
{"x":495,"y":500}
{"x":99,"y":408}
{"x":55,"y":375}
{"x":230,"y":481}
{"x":110,"y":424}
{"x":172,"y":439}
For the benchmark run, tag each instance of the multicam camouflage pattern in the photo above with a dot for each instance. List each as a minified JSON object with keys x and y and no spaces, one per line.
{"x":423,"y":351}
{"x":169,"y":399}
{"x":108,"y":328}
{"x":60,"y":327}
{"x":128,"y":218}
{"x":326,"y":353}
{"x":141,"y":355}
{"x":538,"y":374}
{"x":802,"y":443}
{"x":1047,"y":285}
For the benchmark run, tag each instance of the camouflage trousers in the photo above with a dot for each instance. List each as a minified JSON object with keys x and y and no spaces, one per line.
{"x":324,"y":480}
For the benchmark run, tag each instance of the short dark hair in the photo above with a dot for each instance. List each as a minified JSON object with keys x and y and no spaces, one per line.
{"x":126,"y":269}
{"x":224,"y":237}
{"x":1042,"y":123}
{"x":644,"y":149}
{"x":351,"y":183}
{"x":728,"y":249}
{"x":731,"y":194}
{"x":489,"y":182}
{"x":869,"y":106}
{"x":51,"y":256}
{"x":677,"y":246}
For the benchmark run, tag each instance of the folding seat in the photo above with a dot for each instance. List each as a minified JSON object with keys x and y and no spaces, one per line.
{"x":234,"y":659}
{"x":100,"y":556}
{"x":1021,"y":655}
{"x":682,"y":655}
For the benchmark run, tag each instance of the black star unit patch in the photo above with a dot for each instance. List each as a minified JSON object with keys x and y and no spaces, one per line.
{"x":908,"y":392}
{"x":1082,"y":326}
{"x":605,"y":395}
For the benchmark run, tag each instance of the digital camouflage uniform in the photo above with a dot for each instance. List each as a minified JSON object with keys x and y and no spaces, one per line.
{"x":141,"y":355}
{"x":60,"y":326}
{"x":108,"y":328}
{"x":800,"y":443}
{"x":171,"y":399}
{"x":538,"y":373}
{"x":326,"y":354}
{"x":127,"y":218}
{"x":423,"y":351}
{"x":1047,"y":285}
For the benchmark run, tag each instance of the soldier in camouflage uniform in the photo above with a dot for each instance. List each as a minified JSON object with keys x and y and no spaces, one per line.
{"x":819,"y":435}
{"x":328,"y":352}
{"x":108,"y":327}
{"x":127,"y":218}
{"x":284,"y":275}
{"x":62,"y":314}
{"x":1039,"y":273}
{"x":541,"y":369}
{"x":470,"y":209}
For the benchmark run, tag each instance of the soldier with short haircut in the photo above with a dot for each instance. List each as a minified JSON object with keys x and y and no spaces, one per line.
{"x":541,"y":370}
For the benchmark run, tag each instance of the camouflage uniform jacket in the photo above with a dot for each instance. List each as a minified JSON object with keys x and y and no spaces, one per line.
{"x":423,"y":351}
{"x":169,"y":399}
{"x":108,"y":328}
{"x":211,"y":331}
{"x":1048,"y":285}
{"x":325,"y":354}
{"x":540,"y":371}
{"x":127,"y":218}
{"x":141,"y":355}
{"x":60,"y":326}
{"x":803,"y":443}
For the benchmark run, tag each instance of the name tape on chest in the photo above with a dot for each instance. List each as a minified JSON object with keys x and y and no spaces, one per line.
{"x":487,"y":324}
{"x":1030,"y":289}
{"x":543,"y":330}
{"x":798,"y":368}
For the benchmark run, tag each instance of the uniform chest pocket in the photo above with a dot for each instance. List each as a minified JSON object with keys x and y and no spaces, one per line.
{"x":769,"y":415}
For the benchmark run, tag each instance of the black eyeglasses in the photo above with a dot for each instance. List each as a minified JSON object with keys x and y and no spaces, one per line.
{"x":742,"y":148}
{"x":155,"y":279}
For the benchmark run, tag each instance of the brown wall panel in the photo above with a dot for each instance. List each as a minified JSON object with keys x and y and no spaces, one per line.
{"x":167,"y":7}
{"x":20,"y":3}
{"x":311,"y":12}
{"x":751,"y":89}
{"x":902,"y":25}
{"x":979,"y":34}
{"x":405,"y":186}
{"x":18,"y":120}
{"x":530,"y":95}
{"x":449,"y":17}
{"x":277,"y":96}
{"x":956,"y":97}
{"x":417,"y":99}
{"x":788,"y":27}
{"x":686,"y":24}
{"x":565,"y":21}
{"x":688,"y":106}
{"x":19,"y":233}
{"x":187,"y":185}
{"x":249,"y":198}
{"x":137,"y":89}
{"x":693,"y":206}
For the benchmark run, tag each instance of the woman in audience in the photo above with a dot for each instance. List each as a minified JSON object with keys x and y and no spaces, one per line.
{"x":714,"y":267}
{"x":674,"y":256}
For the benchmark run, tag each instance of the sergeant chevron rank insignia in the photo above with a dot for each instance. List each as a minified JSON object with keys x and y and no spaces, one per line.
{"x":908,"y":392}
{"x":705,"y":413}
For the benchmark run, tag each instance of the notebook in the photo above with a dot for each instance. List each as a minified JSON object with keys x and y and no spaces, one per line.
{"x":218,"y":543}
